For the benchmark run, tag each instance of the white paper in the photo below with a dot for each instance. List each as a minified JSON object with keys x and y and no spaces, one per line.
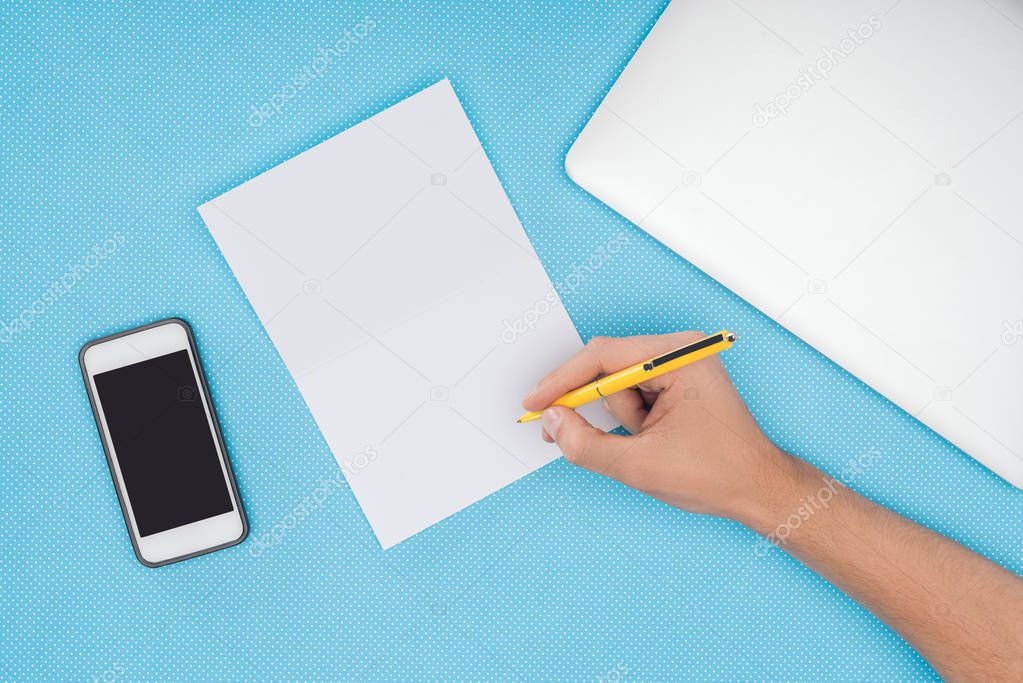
{"x":395,"y":280}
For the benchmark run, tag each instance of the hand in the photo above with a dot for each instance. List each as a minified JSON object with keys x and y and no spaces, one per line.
{"x":694,"y":444}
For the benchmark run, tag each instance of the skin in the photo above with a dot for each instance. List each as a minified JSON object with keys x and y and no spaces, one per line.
{"x":695,"y":445}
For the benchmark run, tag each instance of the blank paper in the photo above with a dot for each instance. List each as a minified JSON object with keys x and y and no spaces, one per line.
{"x":395,"y":280}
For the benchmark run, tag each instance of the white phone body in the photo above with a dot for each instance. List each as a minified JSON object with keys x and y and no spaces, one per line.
{"x":156,"y":342}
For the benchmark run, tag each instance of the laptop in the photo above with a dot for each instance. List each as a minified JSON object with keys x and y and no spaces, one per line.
{"x":853,"y":170}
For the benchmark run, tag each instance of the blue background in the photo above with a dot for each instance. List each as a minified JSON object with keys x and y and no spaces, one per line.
{"x":120,"y":120}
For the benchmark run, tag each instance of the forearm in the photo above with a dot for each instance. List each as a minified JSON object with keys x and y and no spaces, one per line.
{"x":963,"y":613}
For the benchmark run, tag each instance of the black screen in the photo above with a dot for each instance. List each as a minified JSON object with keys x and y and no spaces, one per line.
{"x":163,"y":442}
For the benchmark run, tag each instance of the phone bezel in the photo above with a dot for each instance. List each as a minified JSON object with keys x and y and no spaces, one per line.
{"x":133,"y":346}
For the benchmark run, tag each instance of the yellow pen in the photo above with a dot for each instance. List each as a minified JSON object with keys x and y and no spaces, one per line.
{"x":641,"y":372}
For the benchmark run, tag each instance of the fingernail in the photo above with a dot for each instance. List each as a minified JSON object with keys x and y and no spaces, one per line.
{"x":551,"y":420}
{"x":532,"y":393}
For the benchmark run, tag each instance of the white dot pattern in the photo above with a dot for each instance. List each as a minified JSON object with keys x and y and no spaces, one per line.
{"x":118,"y":122}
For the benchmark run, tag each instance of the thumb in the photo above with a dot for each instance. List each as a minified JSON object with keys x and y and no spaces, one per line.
{"x":583,"y":444}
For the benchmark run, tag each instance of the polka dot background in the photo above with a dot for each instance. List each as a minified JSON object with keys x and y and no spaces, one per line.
{"x":118,"y":121}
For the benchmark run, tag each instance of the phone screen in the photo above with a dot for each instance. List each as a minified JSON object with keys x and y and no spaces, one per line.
{"x":163,"y":442}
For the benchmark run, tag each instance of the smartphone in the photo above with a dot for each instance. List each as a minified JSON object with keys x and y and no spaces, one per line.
{"x":163,"y":442}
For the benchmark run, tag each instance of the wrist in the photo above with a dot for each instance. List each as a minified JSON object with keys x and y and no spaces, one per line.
{"x":777,"y":488}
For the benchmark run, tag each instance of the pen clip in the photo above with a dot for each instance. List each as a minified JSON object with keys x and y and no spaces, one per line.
{"x":685,"y":350}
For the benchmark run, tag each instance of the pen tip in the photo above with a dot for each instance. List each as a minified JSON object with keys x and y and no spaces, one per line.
{"x":518,"y":421}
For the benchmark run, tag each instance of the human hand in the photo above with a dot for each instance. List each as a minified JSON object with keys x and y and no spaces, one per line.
{"x":694,"y":444}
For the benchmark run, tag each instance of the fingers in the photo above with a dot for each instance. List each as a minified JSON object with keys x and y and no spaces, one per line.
{"x":629,"y":408}
{"x":603,"y":356}
{"x":583,"y":444}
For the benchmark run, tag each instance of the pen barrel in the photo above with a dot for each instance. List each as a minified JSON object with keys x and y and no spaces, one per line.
{"x":619,"y":381}
{"x":579,"y":397}
{"x":603,"y":387}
